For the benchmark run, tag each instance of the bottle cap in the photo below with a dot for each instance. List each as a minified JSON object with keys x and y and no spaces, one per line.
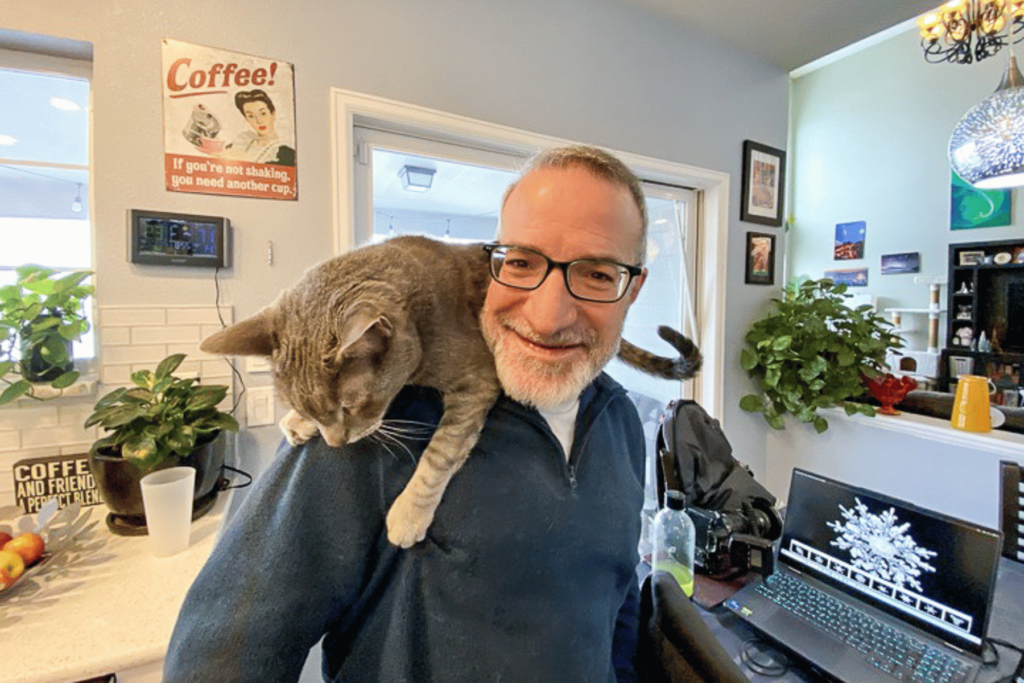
{"x":675,"y":500}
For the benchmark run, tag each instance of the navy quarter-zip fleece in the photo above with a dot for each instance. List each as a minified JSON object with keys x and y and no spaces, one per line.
{"x":524,"y":575}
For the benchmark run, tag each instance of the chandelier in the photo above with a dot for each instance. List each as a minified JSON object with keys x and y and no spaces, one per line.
{"x":964,"y":31}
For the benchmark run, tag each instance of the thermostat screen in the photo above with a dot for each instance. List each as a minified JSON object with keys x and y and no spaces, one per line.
{"x":177,"y":239}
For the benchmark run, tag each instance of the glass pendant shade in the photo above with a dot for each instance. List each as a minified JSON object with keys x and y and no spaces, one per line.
{"x":987,"y":146}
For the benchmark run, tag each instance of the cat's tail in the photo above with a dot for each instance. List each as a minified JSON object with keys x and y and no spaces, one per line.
{"x":684,"y":367}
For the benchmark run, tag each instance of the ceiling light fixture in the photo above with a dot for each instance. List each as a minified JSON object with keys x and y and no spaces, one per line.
{"x":61,"y":103}
{"x":987,"y":145}
{"x":76,"y":203}
{"x":964,"y":31}
{"x":417,"y":178}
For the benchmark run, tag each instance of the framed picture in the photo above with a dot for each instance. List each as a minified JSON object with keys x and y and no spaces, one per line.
{"x":764,"y":176}
{"x":901,"y":263}
{"x":971,"y":258}
{"x":852,"y":277}
{"x":760,"y":259}
{"x":850,"y":240}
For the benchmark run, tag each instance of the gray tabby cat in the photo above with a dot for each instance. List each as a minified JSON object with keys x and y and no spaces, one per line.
{"x":358,"y":327}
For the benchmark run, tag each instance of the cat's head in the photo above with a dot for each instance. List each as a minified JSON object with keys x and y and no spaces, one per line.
{"x":338,"y":362}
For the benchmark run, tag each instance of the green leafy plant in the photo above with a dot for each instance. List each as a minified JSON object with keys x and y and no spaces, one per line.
{"x":811,"y":353}
{"x":40,"y":315}
{"x":161,"y":417}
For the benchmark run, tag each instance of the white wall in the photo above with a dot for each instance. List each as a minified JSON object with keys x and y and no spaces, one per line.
{"x":589,"y":70}
{"x":870,"y":134}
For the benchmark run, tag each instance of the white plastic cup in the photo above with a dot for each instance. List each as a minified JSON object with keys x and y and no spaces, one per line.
{"x":167,"y":499}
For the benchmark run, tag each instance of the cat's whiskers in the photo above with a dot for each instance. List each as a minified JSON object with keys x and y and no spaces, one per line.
{"x":386,"y":439}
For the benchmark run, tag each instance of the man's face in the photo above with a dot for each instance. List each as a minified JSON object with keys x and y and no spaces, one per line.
{"x":547,"y":344}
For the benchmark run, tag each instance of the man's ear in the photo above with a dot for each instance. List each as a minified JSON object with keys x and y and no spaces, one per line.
{"x":637,"y":283}
{"x":252,"y":337}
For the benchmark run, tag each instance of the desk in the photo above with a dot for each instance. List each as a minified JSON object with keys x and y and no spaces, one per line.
{"x":1006,"y":623}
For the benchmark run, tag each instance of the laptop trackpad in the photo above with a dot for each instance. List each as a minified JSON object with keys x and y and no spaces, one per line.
{"x":804,"y":639}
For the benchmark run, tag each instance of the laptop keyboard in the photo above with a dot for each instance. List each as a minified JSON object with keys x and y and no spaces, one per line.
{"x":903,"y":656}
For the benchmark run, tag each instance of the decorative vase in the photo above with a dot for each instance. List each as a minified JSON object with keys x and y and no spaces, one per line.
{"x":890,"y":390}
{"x":118,"y":482}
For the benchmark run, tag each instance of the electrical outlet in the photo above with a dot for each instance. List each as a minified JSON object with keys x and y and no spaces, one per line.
{"x":259,"y":406}
{"x":254,"y":364}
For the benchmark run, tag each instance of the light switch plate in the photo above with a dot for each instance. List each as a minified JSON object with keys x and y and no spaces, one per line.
{"x":254,"y":364}
{"x":259,"y":406}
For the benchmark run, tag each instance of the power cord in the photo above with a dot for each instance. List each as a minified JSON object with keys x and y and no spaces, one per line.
{"x":231,"y":363}
{"x":1018,"y":673}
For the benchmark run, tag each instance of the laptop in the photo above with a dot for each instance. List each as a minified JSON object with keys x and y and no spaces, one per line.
{"x":870,"y":588}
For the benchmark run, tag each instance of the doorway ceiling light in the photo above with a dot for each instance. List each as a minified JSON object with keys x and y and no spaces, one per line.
{"x":416,"y":178}
{"x":987,"y":145}
{"x":964,"y":31}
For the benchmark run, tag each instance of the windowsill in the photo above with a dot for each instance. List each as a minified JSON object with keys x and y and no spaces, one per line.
{"x":935,"y":429}
{"x":85,"y":386}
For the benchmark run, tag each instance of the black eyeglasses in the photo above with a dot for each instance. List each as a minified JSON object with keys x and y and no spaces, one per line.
{"x":599,"y":280}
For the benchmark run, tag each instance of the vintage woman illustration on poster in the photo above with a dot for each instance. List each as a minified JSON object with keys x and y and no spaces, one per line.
{"x":229,"y":123}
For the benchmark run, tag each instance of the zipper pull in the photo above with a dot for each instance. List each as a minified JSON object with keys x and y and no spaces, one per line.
{"x":572,"y":478}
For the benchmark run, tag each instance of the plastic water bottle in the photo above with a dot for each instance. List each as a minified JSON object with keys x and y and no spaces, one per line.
{"x":674,"y":538}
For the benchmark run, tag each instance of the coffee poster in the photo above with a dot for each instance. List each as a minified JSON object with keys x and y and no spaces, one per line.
{"x":229,"y":123}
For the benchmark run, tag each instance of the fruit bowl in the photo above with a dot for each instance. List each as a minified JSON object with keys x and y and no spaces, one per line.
{"x":890,"y":390}
{"x":60,"y":530}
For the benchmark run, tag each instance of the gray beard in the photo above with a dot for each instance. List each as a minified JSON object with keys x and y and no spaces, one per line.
{"x":545,"y":384}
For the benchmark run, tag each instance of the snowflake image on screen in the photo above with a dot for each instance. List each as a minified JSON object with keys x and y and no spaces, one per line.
{"x":880,"y":547}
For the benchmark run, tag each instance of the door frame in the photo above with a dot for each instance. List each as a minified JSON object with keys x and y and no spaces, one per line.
{"x":349,"y":108}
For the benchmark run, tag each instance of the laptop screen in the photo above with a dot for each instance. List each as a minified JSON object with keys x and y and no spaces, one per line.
{"x":930,"y":570}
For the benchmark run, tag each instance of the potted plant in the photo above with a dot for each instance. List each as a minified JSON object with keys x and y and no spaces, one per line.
{"x":163,"y":421}
{"x":41,"y":314}
{"x":811,"y":352}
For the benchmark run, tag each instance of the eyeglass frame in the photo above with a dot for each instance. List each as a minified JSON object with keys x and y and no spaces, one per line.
{"x":633,"y":271}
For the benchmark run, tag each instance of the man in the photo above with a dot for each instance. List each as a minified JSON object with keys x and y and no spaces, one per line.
{"x":527,"y":572}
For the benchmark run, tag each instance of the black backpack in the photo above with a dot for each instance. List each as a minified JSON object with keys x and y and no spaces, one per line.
{"x":695,"y":457}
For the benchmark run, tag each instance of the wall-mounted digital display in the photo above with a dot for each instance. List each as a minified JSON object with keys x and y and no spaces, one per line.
{"x":175,"y":239}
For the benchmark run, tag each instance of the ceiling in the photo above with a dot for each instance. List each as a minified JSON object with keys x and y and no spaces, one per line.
{"x":787,"y":33}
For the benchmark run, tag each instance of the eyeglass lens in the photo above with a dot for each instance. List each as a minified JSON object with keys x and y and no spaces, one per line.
{"x":587,"y":279}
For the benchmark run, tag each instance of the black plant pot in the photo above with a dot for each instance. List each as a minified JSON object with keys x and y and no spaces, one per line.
{"x":35,"y":368}
{"x":118,"y":482}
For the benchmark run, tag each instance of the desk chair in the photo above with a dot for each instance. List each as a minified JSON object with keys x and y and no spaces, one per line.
{"x":676,"y":646}
{"x":1011,"y":519}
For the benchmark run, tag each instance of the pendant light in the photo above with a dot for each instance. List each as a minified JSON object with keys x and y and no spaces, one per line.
{"x":987,"y":145}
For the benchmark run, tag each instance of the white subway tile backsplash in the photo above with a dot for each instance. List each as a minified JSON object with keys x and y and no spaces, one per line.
{"x":150,"y":354}
{"x":167,"y":334}
{"x":115,"y":375}
{"x":110,"y":336}
{"x":20,"y":417}
{"x":196,"y":315}
{"x":120,"y":316}
{"x":57,"y":436}
{"x":10,"y":441}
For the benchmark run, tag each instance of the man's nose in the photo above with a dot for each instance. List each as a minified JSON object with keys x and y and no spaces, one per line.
{"x":551,"y":308}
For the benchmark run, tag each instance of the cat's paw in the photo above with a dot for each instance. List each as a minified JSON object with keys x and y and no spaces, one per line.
{"x":408,"y":522}
{"x":296,"y":428}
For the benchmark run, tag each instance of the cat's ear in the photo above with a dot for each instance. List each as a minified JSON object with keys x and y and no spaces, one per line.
{"x":365,"y":330}
{"x":252,"y":337}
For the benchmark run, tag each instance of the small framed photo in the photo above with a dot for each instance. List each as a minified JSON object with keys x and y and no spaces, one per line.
{"x":971,"y":258}
{"x":760,"y":259}
{"x":1018,"y":254}
{"x":764,"y":177}
{"x":901,"y":263}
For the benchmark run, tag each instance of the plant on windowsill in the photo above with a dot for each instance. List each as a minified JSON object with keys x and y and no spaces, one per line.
{"x":811,"y":353}
{"x":41,"y":314}
{"x":163,"y":421}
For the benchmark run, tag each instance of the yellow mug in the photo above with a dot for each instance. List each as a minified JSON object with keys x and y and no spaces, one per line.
{"x":971,"y":406}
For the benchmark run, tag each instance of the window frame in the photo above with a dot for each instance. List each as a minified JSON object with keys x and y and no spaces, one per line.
{"x":350,"y":109}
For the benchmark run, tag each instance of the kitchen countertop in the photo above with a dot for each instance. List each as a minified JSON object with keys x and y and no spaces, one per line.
{"x":102,"y":605}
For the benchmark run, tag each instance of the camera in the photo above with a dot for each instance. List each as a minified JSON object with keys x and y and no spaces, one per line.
{"x":731,"y":542}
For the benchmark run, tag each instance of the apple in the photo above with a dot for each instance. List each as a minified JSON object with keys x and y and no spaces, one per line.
{"x":29,"y":546}
{"x":11,"y":567}
{"x":4,"y":537}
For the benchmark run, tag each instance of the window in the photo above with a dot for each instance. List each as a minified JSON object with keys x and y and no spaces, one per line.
{"x":706,"y":209}
{"x":44,"y":167}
